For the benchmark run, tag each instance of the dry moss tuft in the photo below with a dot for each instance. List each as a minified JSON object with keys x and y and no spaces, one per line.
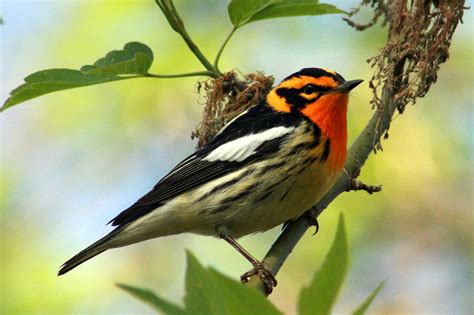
{"x":226,"y":97}
{"x":418,"y":39}
{"x":420,"y":34}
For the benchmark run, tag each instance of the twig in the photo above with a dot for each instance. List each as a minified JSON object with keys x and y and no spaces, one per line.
{"x":221,"y":49}
{"x":176,"y":23}
{"x":355,"y":184}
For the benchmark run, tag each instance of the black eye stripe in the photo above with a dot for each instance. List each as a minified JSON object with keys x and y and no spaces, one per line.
{"x":293,"y":97}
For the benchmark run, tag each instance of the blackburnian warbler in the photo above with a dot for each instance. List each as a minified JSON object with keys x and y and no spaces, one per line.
{"x":265,"y":167}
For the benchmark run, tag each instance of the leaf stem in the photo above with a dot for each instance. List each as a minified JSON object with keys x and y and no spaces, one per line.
{"x":181,"y":75}
{"x":224,"y":44}
{"x":176,"y":23}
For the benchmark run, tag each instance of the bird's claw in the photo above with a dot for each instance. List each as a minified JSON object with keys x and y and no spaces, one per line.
{"x":264,"y":274}
{"x":313,"y":221}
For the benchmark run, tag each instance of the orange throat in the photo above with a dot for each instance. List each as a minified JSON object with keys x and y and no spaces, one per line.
{"x":330,"y":114}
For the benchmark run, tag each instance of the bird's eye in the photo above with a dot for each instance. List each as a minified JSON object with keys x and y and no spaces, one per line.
{"x":309,"y":89}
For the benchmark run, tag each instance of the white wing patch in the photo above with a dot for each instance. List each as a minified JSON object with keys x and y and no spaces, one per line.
{"x":241,"y":148}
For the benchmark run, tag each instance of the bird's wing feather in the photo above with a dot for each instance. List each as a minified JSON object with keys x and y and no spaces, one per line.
{"x":225,"y":154}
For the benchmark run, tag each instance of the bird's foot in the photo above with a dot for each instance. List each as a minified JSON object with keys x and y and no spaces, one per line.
{"x":264,"y":274}
{"x":310,"y":215}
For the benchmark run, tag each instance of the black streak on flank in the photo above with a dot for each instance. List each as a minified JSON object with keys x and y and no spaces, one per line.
{"x":327,"y":149}
{"x":317,"y":134}
{"x":302,"y":169}
{"x":307,"y":163}
{"x":305,"y":145}
{"x":270,"y":167}
{"x":312,"y":127}
{"x":226,"y":184}
{"x":248,"y":190}
{"x":271,"y":187}
{"x":314,"y":159}
{"x":219,"y":187}
{"x":264,"y":196}
{"x":284,"y":195}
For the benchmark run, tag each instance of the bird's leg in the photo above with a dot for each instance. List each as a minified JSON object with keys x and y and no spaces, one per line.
{"x":310,"y":215}
{"x":258,"y":268}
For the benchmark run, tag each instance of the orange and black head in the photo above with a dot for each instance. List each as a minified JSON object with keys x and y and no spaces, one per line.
{"x":308,"y":87}
{"x":321,"y":96}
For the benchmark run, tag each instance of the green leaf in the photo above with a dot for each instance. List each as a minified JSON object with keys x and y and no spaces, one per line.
{"x":242,"y":12}
{"x":153,"y":300}
{"x":319,"y":297}
{"x":135,"y":58}
{"x":209,"y":292}
{"x":289,"y":8}
{"x":131,"y":62}
{"x":52,"y":80}
{"x":365,"y":305}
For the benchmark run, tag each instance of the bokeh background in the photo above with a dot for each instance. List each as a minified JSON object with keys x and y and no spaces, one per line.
{"x":72,"y":160}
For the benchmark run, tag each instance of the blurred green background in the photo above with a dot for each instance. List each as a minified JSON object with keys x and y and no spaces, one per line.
{"x":70,"y":161}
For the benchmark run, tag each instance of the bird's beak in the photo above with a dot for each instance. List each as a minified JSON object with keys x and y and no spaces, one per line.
{"x":346,"y":86}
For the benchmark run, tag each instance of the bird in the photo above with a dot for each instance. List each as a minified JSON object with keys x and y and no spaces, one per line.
{"x":265,"y":167}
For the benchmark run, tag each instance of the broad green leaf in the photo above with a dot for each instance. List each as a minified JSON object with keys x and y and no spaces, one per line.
{"x":319,"y":297}
{"x":209,"y":292}
{"x":288,"y":8}
{"x":131,"y":62}
{"x":135,"y":58}
{"x":365,"y":305}
{"x":52,"y":80}
{"x":242,"y":12}
{"x":153,"y":300}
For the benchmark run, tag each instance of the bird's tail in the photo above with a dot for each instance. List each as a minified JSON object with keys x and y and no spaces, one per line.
{"x":86,"y":254}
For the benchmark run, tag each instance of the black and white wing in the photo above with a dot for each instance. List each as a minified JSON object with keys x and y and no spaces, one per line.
{"x":253,"y":136}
